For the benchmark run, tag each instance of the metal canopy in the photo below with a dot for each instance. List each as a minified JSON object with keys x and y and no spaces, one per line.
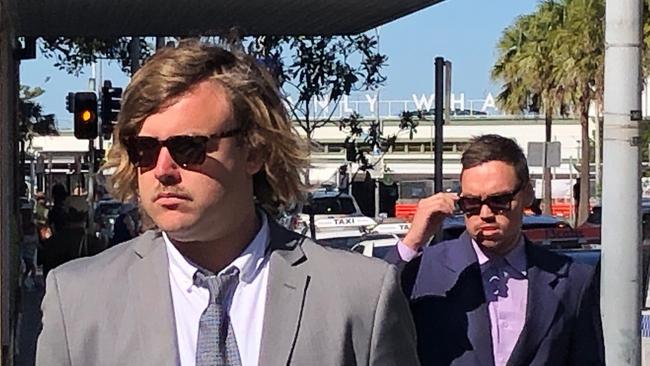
{"x":109,"y":18}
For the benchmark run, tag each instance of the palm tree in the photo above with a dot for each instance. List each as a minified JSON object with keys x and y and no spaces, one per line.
{"x":580,"y":54}
{"x":529,"y":78}
{"x":515,"y":92}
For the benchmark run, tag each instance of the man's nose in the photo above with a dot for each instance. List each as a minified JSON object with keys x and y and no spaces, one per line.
{"x":166,"y":169}
{"x":486,"y":212}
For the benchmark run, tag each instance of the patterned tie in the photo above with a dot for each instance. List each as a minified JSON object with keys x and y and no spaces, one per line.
{"x":495,"y":279}
{"x":216,"y":345}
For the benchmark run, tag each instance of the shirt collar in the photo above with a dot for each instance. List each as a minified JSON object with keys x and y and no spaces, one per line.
{"x":516,"y":258}
{"x":249,"y":262}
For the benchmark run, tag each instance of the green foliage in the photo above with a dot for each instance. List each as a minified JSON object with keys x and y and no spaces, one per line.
{"x":553,"y":60}
{"x":368,"y":137}
{"x":73,"y":54}
{"x":31,"y":120}
{"x":328,"y":68}
{"x":525,"y":65}
{"x":306,"y":68}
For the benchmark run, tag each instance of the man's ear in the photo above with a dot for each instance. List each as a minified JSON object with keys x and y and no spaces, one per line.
{"x":529,"y":195}
{"x":254,"y":161}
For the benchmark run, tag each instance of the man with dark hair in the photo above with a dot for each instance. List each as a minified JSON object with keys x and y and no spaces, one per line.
{"x":491,"y":297}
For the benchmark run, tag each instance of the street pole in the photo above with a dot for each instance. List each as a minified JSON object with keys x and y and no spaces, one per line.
{"x":572,"y":217}
{"x":100,"y":121}
{"x":438,"y":121}
{"x":447,"y":110}
{"x":160,"y":42}
{"x":377,"y":162}
{"x":90,"y":232}
{"x":381,"y":131}
{"x":134,"y":50}
{"x":598,"y":144}
{"x":621,"y":272}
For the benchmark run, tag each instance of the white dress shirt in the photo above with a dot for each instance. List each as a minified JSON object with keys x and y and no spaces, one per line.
{"x":246,"y":308}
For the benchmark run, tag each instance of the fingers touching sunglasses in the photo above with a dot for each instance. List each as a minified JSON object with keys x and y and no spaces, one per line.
{"x":184,"y":149}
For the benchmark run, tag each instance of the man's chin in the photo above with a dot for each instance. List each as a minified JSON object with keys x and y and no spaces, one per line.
{"x":490,"y":244}
{"x":176,"y":229}
{"x":494,"y":245}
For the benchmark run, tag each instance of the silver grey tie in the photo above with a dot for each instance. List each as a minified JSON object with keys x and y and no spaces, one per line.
{"x":216,"y":344}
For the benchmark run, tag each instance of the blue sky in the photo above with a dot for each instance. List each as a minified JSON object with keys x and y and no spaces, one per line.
{"x":463,"y":31}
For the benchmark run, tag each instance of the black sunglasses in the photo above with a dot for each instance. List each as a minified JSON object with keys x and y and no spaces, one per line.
{"x":498,"y":203}
{"x":185,"y":150}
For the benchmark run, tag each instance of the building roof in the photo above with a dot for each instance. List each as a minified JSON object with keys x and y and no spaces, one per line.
{"x":110,"y":18}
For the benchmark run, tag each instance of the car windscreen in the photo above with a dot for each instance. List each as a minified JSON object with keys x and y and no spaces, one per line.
{"x":330,"y":206}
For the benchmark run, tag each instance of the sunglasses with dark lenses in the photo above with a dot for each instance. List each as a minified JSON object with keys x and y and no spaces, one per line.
{"x":498,"y":204}
{"x":184,"y":149}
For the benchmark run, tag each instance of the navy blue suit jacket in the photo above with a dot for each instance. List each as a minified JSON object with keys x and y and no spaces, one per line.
{"x":451,"y":315}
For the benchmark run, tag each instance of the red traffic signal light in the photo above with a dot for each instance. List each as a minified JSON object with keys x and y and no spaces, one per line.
{"x":85,"y":115}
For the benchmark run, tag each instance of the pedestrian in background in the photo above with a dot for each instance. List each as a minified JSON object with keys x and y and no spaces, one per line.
{"x":28,"y":253}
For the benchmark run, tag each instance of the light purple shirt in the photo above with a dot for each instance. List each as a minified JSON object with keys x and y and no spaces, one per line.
{"x":507,"y":295}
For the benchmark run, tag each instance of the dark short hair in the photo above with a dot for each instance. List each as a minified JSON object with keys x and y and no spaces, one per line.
{"x":485,"y":148}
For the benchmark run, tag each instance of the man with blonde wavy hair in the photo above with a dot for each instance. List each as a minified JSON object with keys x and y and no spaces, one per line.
{"x":205,"y":145}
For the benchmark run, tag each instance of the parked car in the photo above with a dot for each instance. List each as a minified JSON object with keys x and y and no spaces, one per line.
{"x":590,"y":229}
{"x":376,"y":245}
{"x":333,"y":213}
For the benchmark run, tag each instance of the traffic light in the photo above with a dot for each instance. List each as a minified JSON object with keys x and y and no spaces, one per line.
{"x":69,"y":102}
{"x":85,"y":115}
{"x":111,"y":100}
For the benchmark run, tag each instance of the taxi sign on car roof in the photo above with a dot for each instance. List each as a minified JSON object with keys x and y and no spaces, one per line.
{"x":394,"y":228}
{"x":341,"y":222}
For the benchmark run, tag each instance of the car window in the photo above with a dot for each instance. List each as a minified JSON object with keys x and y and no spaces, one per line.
{"x":380,"y":252}
{"x":331,"y":206}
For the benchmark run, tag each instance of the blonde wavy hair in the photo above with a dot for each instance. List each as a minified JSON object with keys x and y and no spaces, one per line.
{"x":257,"y":107}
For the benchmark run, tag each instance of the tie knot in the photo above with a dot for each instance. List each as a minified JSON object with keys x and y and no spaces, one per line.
{"x":219,"y":285}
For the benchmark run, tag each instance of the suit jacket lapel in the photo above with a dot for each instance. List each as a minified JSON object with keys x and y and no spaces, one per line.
{"x":152,"y":302}
{"x":478,"y":331}
{"x":287,"y":287}
{"x":480,"y":335}
{"x":543,"y":275}
{"x":464,"y":283}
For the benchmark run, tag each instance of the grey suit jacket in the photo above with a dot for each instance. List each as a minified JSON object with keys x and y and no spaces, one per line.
{"x":324,"y":307}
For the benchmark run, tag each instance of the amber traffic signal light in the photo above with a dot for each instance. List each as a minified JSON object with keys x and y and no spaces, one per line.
{"x":85,"y":115}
